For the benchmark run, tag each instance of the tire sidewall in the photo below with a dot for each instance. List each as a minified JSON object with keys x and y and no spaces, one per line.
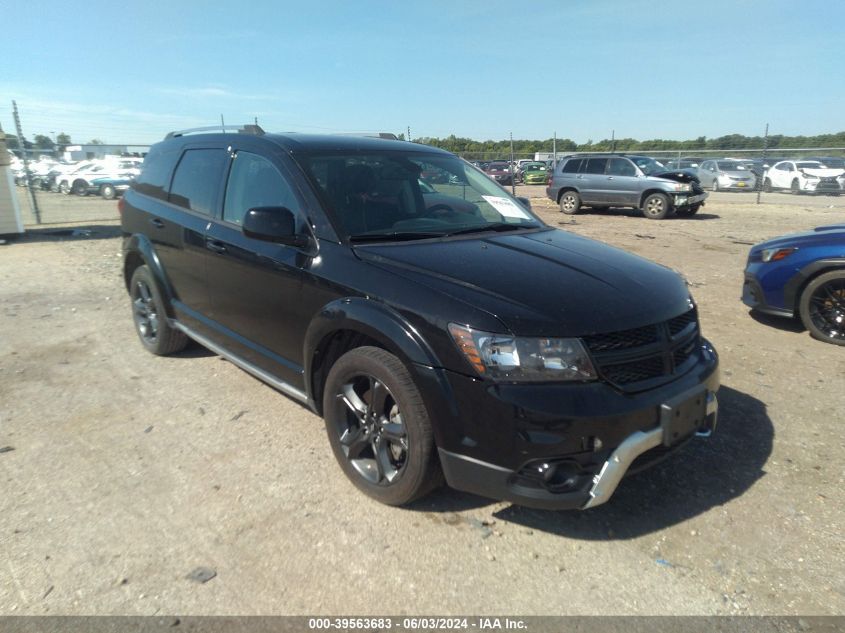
{"x":389,"y":370}
{"x":143,"y":273}
{"x":804,"y":305}
{"x":666,"y":207}
{"x":576,"y":202}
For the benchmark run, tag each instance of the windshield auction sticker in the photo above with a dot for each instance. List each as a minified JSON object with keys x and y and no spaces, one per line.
{"x":506,"y":207}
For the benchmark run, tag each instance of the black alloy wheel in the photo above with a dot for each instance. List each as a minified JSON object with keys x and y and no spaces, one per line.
{"x":378,"y":427}
{"x":149,"y":315}
{"x":795,"y":187}
{"x":822,"y":307}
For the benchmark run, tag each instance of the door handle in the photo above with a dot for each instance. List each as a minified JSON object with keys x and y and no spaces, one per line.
{"x":610,"y":177}
{"x":157,"y":223}
{"x":215,"y":246}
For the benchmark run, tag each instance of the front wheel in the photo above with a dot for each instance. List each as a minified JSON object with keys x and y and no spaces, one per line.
{"x":378,"y":427}
{"x":715,"y":185}
{"x":570,"y":202}
{"x":795,"y":187}
{"x":767,"y":185}
{"x":822,"y":307}
{"x":656,"y":206}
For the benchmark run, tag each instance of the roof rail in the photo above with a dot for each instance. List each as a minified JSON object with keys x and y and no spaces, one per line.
{"x":240,"y":129}
{"x":385,"y":135}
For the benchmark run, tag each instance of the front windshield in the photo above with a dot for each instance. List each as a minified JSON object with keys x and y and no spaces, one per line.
{"x":534,"y":166}
{"x":649,"y":166}
{"x":834,"y":163}
{"x":729,"y":166}
{"x":411,"y":194}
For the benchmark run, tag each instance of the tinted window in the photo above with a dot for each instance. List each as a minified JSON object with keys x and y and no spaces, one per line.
{"x":621,"y":167}
{"x":595,"y":166}
{"x":572,"y":166}
{"x":155,"y":173}
{"x":254,"y":182}
{"x":197,"y":179}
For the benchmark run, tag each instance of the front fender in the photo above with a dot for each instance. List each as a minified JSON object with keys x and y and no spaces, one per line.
{"x":392,"y":331}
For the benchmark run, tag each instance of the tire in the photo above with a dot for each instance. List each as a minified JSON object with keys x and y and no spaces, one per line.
{"x":570,"y":202}
{"x":385,"y":446}
{"x":767,"y":185}
{"x":64,"y":187}
{"x":156,"y":334}
{"x":822,"y":307}
{"x":656,"y":206}
{"x":80,"y":188}
{"x":795,"y":187}
{"x":689,"y":211}
{"x":108,"y":192}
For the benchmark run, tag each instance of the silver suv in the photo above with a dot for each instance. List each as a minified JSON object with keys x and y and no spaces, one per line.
{"x":621,"y":180}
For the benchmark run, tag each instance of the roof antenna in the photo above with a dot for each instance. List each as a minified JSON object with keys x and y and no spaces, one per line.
{"x":222,"y":125}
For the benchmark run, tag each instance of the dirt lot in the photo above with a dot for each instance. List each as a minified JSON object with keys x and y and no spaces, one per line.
{"x":129,"y":471}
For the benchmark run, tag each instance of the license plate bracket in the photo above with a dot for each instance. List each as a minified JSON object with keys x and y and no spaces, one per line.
{"x":682,"y":416}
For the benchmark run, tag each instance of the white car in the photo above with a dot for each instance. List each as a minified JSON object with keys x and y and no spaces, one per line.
{"x":726,"y":174}
{"x":80,"y":182}
{"x":804,"y":176}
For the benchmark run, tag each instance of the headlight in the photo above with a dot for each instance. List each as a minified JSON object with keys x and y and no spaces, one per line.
{"x":776,"y":254}
{"x":518,"y":359}
{"x":683,"y":186}
{"x":806,"y":175}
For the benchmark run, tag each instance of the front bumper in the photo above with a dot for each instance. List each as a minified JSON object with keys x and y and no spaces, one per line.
{"x":568,"y":446}
{"x":686,"y":199}
{"x":754,"y":297}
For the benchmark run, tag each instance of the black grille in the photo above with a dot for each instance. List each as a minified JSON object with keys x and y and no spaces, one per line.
{"x":635,"y":371}
{"x":680,"y":323}
{"x":641,"y":356}
{"x":622,"y":340}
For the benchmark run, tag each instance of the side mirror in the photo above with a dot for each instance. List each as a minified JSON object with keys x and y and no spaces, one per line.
{"x":273,"y":224}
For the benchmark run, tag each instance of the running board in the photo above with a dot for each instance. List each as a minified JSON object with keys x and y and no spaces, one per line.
{"x":285,"y":388}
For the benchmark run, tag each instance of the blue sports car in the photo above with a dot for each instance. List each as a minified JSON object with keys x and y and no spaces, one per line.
{"x":801,"y":275}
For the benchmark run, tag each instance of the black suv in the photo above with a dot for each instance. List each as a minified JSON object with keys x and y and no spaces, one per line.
{"x":440,"y":329}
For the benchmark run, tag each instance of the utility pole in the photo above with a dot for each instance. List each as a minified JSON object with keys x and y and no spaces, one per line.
{"x":409,"y":133}
{"x":554,"y":150}
{"x":513,"y":178}
{"x":27,"y":173}
{"x":765,"y":147}
{"x":613,"y":141}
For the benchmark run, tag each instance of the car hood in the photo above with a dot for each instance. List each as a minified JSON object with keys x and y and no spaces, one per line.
{"x":830,"y":234}
{"x":677,"y":176}
{"x":542,"y":283}
{"x":824,"y":172}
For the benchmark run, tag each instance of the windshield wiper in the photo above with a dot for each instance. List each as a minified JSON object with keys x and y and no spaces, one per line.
{"x":499,"y":227}
{"x":394,"y":235}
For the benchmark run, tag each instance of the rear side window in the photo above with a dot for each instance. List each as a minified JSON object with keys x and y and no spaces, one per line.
{"x":155,"y":173}
{"x":197,"y":179}
{"x":572,"y":166}
{"x":595,"y":166}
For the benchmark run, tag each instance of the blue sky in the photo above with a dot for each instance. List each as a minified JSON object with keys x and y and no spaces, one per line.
{"x":130,"y":72}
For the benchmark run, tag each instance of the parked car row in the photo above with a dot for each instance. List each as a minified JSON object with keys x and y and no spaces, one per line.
{"x":822,"y":174}
{"x":107,"y":177}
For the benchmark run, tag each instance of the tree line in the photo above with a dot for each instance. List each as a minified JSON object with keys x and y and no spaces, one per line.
{"x":41,"y":141}
{"x":462,"y":145}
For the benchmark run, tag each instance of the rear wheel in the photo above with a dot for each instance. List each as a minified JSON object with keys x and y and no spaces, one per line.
{"x":656,"y":206}
{"x":822,"y":307}
{"x":570,"y":202}
{"x":378,"y":427}
{"x":148,"y":312}
{"x":108,"y":192}
{"x":80,"y":188}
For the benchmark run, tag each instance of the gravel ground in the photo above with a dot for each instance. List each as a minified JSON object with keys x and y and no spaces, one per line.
{"x":134,"y":484}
